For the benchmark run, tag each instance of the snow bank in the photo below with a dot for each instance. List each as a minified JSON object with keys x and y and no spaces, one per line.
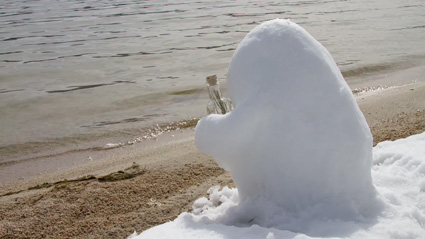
{"x":399,"y":175}
{"x":300,"y":153}
{"x":296,"y":139}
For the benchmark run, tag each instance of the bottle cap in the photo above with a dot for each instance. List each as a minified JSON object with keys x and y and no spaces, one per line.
{"x":212,"y":80}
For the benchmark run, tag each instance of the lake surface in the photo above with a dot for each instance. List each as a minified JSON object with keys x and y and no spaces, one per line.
{"x":85,"y":67}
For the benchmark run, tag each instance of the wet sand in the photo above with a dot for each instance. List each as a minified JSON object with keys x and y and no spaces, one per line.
{"x":99,"y":193}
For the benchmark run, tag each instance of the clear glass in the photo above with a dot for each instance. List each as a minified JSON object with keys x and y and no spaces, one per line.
{"x":218,"y":104}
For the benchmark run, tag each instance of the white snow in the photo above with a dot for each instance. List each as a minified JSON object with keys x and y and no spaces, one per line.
{"x":300,"y":153}
{"x":399,"y":175}
{"x":112,"y":145}
{"x":297,"y":137}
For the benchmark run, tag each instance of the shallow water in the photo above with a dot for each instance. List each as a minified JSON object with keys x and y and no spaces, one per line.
{"x":84,"y":67}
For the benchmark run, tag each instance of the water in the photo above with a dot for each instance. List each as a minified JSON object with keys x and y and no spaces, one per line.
{"x":87,"y":67}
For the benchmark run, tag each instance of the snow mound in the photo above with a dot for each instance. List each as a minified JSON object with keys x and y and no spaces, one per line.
{"x":300,"y":153}
{"x":296,"y":139}
{"x":399,"y":175}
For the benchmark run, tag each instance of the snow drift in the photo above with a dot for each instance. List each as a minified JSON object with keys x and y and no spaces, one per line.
{"x":399,"y":175}
{"x":300,"y":153}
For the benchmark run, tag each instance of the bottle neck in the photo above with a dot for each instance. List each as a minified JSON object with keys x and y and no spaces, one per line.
{"x":214,"y":92}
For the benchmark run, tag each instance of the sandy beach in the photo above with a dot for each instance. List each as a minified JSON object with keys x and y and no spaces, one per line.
{"x":99,"y":100}
{"x":99,"y":190}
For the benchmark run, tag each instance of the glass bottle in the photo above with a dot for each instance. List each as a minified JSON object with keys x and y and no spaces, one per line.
{"x":217,"y":104}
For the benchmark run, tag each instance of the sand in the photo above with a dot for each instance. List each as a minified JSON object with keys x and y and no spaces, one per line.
{"x":95,"y":192}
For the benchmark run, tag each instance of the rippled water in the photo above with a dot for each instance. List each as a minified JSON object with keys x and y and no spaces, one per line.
{"x":71,"y":67}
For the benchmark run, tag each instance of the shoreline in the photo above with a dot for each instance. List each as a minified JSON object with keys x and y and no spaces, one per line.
{"x":391,"y":113}
{"x":127,"y":113}
{"x":384,"y":97}
{"x":153,"y":180}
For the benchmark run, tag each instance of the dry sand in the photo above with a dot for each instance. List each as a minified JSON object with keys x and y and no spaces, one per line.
{"x":110,"y":193}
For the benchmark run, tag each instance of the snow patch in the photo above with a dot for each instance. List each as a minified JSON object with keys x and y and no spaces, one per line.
{"x":300,"y":153}
{"x":402,"y":215}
